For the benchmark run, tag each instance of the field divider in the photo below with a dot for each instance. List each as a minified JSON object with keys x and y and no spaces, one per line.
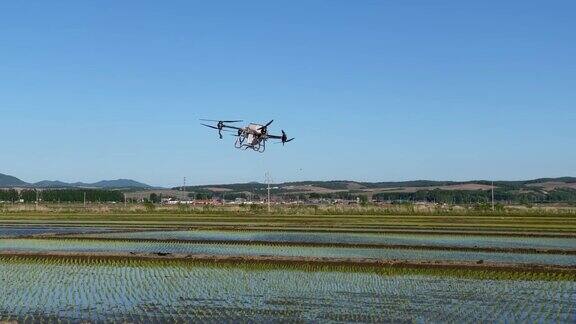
{"x":569,"y":272}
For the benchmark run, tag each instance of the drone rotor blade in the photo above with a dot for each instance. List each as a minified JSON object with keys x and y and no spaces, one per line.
{"x":290,"y":140}
{"x":266,"y":126}
{"x":222,"y":121}
{"x":214,"y":127}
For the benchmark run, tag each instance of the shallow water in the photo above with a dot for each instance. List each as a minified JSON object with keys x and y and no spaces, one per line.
{"x":130,"y":292}
{"x":355,"y":238}
{"x":239,"y":249}
{"x":19,"y":231}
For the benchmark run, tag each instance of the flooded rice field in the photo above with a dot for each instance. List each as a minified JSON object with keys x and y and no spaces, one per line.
{"x":138,"y":291}
{"x":352,"y":238}
{"x":242,"y":249}
{"x":103,"y":274}
{"x":21,"y":231}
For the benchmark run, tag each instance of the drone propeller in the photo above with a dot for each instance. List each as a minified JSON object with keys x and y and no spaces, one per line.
{"x":210,"y":126}
{"x":220,"y":126}
{"x":264,"y":129}
{"x":285,"y":138}
{"x":222,"y":121}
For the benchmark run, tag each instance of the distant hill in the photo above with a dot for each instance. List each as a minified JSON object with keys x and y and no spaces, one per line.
{"x":343,"y":185}
{"x":105,"y":184}
{"x":7,"y":181}
{"x":51,"y":184}
{"x":120,"y":183}
{"x":536,"y":190}
{"x":525,"y":191}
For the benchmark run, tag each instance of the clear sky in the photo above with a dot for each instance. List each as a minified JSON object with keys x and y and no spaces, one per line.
{"x":372,"y":90}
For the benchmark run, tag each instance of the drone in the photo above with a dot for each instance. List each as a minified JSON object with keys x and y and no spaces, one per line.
{"x":253,"y":136}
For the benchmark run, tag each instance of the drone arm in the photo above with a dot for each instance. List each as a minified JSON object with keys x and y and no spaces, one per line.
{"x":231,"y":127}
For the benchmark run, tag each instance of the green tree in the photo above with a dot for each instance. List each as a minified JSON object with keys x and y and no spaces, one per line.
{"x":154,"y":198}
{"x":28,"y":195}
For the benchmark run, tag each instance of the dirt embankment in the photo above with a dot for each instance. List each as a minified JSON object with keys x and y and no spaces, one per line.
{"x":227,"y":259}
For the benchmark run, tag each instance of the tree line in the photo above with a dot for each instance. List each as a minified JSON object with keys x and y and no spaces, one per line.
{"x":62,"y":195}
{"x":480,"y":196}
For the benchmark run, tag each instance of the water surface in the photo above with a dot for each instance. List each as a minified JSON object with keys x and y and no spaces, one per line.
{"x":19,"y":231}
{"x":239,"y":249}
{"x":354,"y":238}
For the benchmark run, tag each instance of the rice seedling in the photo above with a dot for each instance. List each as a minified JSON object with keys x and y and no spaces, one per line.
{"x":76,"y":289}
{"x":239,"y":249}
{"x":361,"y":220}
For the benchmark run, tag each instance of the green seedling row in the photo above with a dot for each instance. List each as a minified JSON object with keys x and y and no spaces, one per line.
{"x":71,"y":245}
{"x":77,"y":290}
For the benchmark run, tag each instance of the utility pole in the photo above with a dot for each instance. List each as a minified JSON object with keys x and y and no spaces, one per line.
{"x":492,"y":195}
{"x":268,"y":180}
{"x":84,"y":199}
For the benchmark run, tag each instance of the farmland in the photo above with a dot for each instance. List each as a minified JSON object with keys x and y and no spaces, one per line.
{"x":236,"y":265}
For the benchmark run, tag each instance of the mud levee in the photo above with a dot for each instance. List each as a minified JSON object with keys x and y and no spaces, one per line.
{"x":281,"y":260}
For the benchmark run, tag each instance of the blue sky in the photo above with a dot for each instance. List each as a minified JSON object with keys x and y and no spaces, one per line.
{"x":372,"y":90}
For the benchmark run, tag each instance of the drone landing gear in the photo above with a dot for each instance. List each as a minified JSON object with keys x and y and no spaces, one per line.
{"x":239,"y":142}
{"x":259,"y":147}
